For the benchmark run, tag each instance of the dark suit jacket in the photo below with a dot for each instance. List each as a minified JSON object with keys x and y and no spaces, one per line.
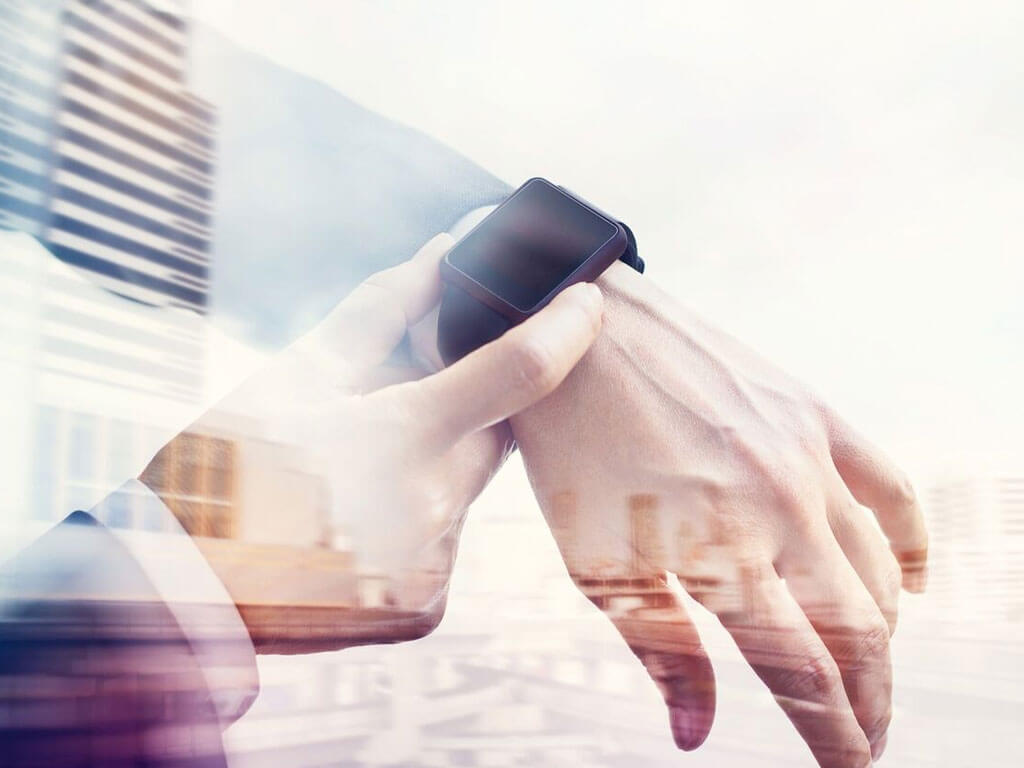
{"x":94,"y":669}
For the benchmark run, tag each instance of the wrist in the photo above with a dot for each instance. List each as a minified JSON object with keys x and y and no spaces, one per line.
{"x":633,"y":305}
{"x":622,"y":285}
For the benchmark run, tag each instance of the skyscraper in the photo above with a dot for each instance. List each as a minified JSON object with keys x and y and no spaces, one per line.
{"x":106,"y":158}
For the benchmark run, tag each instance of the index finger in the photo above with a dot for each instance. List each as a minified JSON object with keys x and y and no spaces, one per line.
{"x":512,"y":372}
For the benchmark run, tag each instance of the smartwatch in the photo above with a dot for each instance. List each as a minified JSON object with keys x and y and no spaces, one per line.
{"x":534,"y":245}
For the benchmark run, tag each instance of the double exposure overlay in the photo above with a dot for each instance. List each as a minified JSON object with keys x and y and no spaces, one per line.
{"x":249,"y":517}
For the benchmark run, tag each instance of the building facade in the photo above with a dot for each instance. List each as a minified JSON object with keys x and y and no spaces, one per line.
{"x":107,"y":160}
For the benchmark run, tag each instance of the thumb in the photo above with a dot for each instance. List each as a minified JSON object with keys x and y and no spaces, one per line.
{"x":514,"y":371}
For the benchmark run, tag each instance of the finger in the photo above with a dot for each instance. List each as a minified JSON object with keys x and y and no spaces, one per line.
{"x":877,"y":483}
{"x":423,"y":342}
{"x":512,"y":372}
{"x":373,"y":318}
{"x":867,"y":552}
{"x":661,"y":634}
{"x":386,"y":376}
{"x":848,"y":621}
{"x":781,"y":646}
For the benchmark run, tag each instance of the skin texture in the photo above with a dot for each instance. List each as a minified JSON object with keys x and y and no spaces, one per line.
{"x":397,"y":452}
{"x":669,"y":449}
{"x":673,"y":449}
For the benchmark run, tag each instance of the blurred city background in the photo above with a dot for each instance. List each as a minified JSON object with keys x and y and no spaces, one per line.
{"x":838,"y":187}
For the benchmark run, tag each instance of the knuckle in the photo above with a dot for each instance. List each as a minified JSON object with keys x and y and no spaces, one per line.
{"x":810,"y":432}
{"x":534,"y":366}
{"x":871,"y":643}
{"x":804,"y":518}
{"x":828,"y":416}
{"x":902,"y":494}
{"x":379,"y":287}
{"x":795,"y":486}
{"x":815,"y":680}
{"x":384,"y":280}
{"x":824,"y":410}
{"x":806,"y":521}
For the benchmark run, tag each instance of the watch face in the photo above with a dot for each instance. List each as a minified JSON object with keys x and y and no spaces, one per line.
{"x":531,"y":244}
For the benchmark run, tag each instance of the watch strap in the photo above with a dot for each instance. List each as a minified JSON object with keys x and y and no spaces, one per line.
{"x":631,"y":257}
{"x":465,"y":324}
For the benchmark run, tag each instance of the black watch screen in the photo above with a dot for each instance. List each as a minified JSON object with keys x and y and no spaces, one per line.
{"x":531,"y":243}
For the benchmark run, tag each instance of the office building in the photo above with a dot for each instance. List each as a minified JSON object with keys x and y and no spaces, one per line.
{"x":107,"y":160}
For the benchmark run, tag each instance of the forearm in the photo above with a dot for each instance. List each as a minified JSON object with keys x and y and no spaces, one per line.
{"x":247,"y":504}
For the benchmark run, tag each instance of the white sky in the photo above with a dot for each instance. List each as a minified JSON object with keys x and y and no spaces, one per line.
{"x":838,"y":184}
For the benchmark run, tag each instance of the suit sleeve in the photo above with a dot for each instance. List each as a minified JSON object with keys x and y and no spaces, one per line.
{"x":314,"y":192}
{"x":95,"y":668}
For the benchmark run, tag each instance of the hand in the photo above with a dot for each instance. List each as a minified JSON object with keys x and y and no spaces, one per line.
{"x":673,"y":449}
{"x":397,"y":454}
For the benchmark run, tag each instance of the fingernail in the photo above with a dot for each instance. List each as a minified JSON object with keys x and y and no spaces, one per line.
{"x":684,"y":729}
{"x":879,"y":747}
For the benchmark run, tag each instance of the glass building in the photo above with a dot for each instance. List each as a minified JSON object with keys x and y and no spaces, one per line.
{"x":107,"y":160}
{"x":107,"y":156}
